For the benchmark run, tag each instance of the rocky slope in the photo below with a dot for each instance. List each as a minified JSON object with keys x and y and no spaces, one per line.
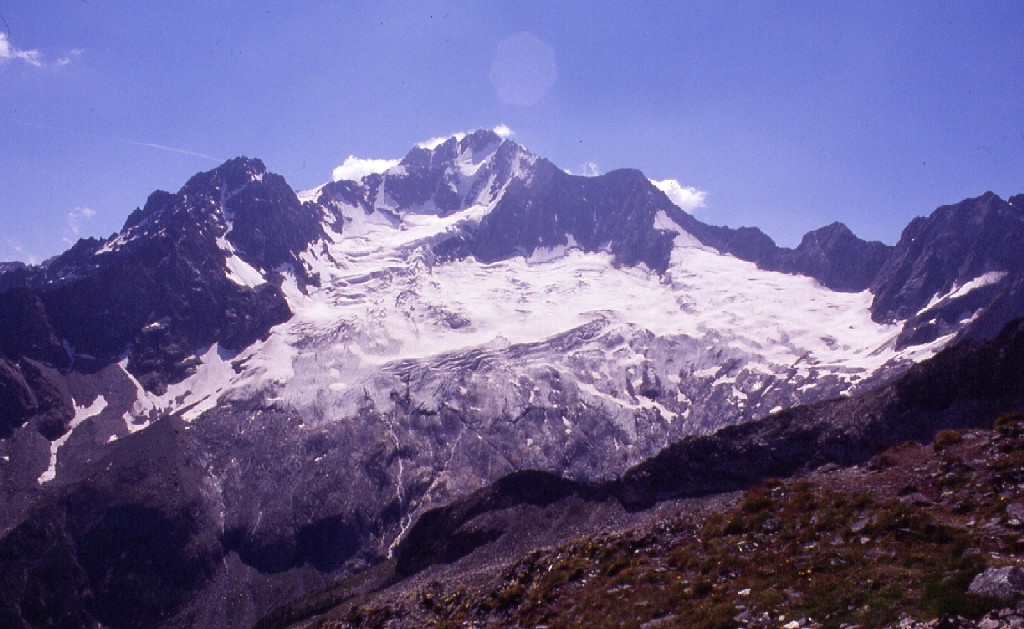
{"x":333,"y":363}
{"x":892,"y":543}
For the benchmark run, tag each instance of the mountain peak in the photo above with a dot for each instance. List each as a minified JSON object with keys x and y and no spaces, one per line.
{"x":946,"y":266}
{"x":834,"y":228}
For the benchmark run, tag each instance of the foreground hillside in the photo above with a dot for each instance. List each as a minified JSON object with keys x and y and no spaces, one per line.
{"x":903,"y":536}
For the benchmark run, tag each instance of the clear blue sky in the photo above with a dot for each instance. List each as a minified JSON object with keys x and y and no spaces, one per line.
{"x":788,"y":114}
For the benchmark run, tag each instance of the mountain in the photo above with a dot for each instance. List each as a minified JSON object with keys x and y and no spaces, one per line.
{"x":966,"y":386}
{"x":949,"y":270}
{"x":833,"y":255}
{"x":504,"y":540}
{"x":310,"y":371}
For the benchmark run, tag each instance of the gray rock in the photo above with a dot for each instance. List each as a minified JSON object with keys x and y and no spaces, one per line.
{"x":916,"y":498}
{"x":1006,"y":583}
{"x":860,"y":525}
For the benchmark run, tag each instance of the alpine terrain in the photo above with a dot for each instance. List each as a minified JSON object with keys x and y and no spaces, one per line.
{"x":250,"y":392}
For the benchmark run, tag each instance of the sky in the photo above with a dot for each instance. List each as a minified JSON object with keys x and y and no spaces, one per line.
{"x":783,"y":115}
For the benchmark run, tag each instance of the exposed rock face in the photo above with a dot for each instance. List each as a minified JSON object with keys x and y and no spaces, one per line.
{"x":615,"y":211}
{"x":124,"y":548}
{"x":31,"y":390}
{"x":161,"y":288}
{"x":948,"y":267}
{"x":835,"y":257}
{"x":27,"y":331}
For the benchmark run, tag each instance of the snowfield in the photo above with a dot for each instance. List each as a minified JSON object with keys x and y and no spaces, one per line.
{"x":714,"y":333}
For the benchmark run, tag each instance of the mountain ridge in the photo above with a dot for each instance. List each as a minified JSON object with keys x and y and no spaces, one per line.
{"x":337,"y":361}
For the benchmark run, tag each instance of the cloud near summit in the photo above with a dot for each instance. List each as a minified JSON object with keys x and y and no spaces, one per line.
{"x":502,"y":130}
{"x":687,"y":198}
{"x":355,"y":168}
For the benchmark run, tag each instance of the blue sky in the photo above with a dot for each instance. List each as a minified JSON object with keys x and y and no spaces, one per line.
{"x":789,"y":115}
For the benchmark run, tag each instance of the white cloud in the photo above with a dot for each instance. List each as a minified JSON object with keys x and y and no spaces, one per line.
{"x":8,"y":52}
{"x":503,"y":131}
{"x":75,"y":218}
{"x":586,"y":169}
{"x":355,"y":168}
{"x":686,"y":197}
{"x":68,"y":58}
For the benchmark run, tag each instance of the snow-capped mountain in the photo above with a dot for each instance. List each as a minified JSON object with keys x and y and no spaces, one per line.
{"x":304,"y":373}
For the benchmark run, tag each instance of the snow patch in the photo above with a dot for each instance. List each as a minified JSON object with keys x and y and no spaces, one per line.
{"x":683,"y":238}
{"x":238,"y":270}
{"x":959,"y":291}
{"x":201,"y":392}
{"x":82,"y":413}
{"x":242,"y":273}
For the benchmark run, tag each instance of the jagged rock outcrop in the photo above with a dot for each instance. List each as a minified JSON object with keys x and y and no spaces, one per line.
{"x":124,"y":548}
{"x":162,"y":287}
{"x":951,"y":266}
{"x":1006,"y":583}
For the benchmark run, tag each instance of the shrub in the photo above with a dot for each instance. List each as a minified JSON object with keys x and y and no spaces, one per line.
{"x":1010,"y":424}
{"x":947,"y":438}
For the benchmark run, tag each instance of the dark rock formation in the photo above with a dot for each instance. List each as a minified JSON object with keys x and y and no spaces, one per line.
{"x":125,"y":548}
{"x":614,"y":211}
{"x":956,"y":244}
{"x":833,"y":255}
{"x":160,"y":287}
